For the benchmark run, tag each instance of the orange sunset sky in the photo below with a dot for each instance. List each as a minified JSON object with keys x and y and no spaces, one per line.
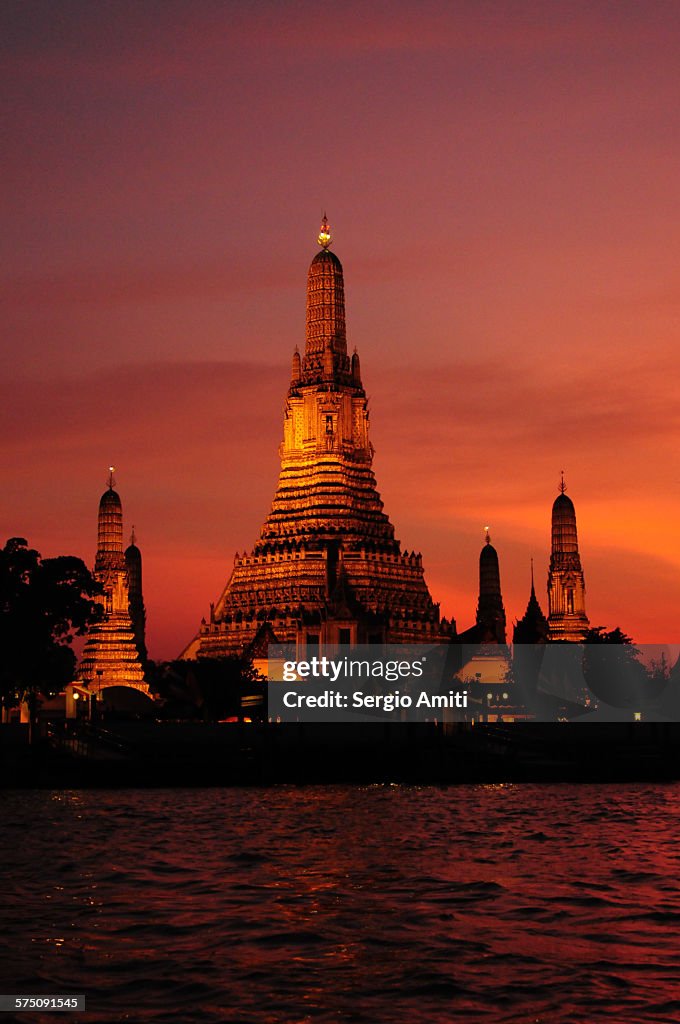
{"x":502,"y":180}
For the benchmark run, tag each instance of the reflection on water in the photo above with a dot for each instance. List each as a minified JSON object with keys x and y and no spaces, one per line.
{"x":523,"y":904}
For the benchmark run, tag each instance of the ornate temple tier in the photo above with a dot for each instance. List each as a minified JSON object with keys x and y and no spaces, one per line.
{"x":110,"y":657}
{"x":326,"y":567}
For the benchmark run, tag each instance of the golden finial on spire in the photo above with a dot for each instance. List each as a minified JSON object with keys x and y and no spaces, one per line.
{"x":112,"y":481}
{"x":325,"y":238}
{"x":563,"y":486}
{"x":486,"y":531}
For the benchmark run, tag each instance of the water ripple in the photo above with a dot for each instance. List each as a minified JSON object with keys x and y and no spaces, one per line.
{"x":388,"y":905}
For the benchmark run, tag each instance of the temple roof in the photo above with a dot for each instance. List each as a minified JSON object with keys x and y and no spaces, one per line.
{"x":489,"y":569}
{"x":533,"y":626}
{"x":326,"y":256}
{"x":563,"y":506}
{"x":488,"y":553}
{"x":564,"y":535}
{"x":110,"y":498}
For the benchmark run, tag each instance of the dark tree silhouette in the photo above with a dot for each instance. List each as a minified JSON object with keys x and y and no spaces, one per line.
{"x":600,"y":635}
{"x":611,"y":668}
{"x":45,"y":603}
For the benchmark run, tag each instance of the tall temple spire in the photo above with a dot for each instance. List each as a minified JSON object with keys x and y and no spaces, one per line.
{"x":296,"y":369}
{"x":110,"y":529}
{"x":532,"y":628}
{"x":327,"y":567}
{"x":133,"y":564}
{"x":356,"y":368}
{"x":490,"y":610}
{"x":566,"y":586}
{"x":325,"y":326}
{"x":327,"y":412}
{"x":110,"y":656}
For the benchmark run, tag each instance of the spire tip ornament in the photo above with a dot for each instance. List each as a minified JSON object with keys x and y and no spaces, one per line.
{"x":112,"y":479}
{"x":325,"y":238}
{"x":563,"y":486}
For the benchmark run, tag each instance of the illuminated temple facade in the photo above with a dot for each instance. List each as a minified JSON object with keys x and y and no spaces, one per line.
{"x":327,"y":567}
{"x":111,"y":656}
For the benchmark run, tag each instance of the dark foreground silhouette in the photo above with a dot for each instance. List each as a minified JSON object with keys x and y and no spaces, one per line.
{"x":207,"y":754}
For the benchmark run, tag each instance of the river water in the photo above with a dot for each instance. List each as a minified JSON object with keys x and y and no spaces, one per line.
{"x":527,"y":904}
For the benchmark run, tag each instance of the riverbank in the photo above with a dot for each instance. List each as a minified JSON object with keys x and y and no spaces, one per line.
{"x":202,"y":754}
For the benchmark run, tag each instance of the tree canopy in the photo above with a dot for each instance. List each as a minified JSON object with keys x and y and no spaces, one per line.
{"x":600,"y":635}
{"x":612,"y":670}
{"x":45,"y":603}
